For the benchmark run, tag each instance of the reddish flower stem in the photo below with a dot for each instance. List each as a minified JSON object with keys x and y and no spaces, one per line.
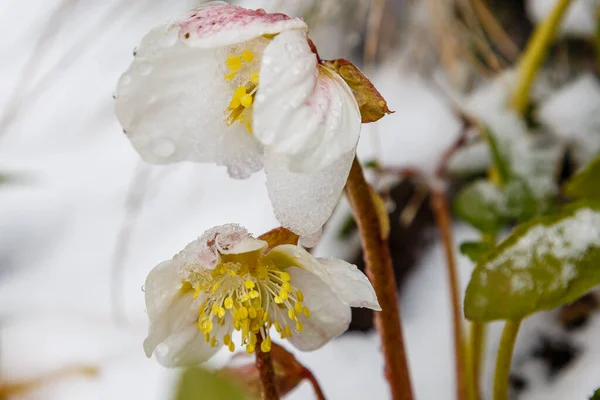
{"x":266,"y":372}
{"x":315,"y":384}
{"x":379,"y":269}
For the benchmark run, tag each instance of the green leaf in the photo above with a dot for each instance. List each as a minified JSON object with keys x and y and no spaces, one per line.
{"x":500,"y":160}
{"x":482,"y":205}
{"x":596,"y":395}
{"x":200,"y":384}
{"x":585,"y":184}
{"x":545,"y":263}
{"x":474,"y":250}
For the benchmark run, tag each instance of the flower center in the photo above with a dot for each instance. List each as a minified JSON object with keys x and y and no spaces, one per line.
{"x":250,"y":296}
{"x":242,"y":67}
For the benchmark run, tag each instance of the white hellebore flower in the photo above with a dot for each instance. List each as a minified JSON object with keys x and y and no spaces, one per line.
{"x":229,"y":281}
{"x":244,"y":89}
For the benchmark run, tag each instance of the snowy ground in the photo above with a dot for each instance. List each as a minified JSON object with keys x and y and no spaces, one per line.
{"x":80,"y":182}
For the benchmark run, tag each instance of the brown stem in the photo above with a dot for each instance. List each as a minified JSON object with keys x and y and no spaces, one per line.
{"x":266,"y":372}
{"x":380,"y":271}
{"x":439,"y":204}
{"x":315,"y":384}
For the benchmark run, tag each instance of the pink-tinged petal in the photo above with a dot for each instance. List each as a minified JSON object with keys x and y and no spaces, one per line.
{"x":220,"y":24}
{"x":350,"y":284}
{"x":329,"y":316}
{"x":303,"y":202}
{"x":171,"y":102}
{"x":303,"y":110}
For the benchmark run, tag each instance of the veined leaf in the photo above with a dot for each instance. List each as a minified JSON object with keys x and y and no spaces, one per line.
{"x":543,"y":264}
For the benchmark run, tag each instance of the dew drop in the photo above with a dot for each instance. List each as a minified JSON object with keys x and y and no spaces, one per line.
{"x":171,"y":38}
{"x":164,"y":148}
{"x":145,"y":69}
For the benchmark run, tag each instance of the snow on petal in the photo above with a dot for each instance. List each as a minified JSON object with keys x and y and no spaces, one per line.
{"x":220,"y":24}
{"x":302,"y":109}
{"x":303,"y":202}
{"x":350,"y":284}
{"x":329,"y":316}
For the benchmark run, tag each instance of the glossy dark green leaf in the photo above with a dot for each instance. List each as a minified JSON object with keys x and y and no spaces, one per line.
{"x":586,"y":183}
{"x":200,"y":384}
{"x":482,"y":205}
{"x":545,"y":263}
{"x":474,"y":250}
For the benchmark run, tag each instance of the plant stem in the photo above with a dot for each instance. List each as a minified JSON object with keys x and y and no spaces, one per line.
{"x":315,"y":384}
{"x":476,"y":347}
{"x":264,"y":364}
{"x":379,"y":269}
{"x":504,"y":359}
{"x":439,"y":203}
{"x":534,"y":54}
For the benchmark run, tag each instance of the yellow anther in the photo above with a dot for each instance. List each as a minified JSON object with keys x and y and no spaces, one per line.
{"x":299,"y":295}
{"x":245,"y":297}
{"x":246,"y":100}
{"x":234,"y":63}
{"x":288,"y":331}
{"x":254,"y":78}
{"x":226,"y":339}
{"x":277,"y":300}
{"x":239,"y":92}
{"x":299,"y":326}
{"x":243,"y":312}
{"x":252,"y":312}
{"x":231,"y":346}
{"x":231,"y":273}
{"x":265,"y":317}
{"x":236,"y":314}
{"x":247,"y":56}
{"x":234,"y":103}
{"x":197,"y":292}
{"x":286,"y":286}
{"x":306,"y":312}
{"x":213,"y":341}
{"x":215,"y":309}
{"x":255,"y":327}
{"x":291,"y":314}
{"x":254,"y":294}
{"x":250,"y":349}
{"x":215,"y":287}
{"x":283,"y":294}
{"x":298,"y":307}
{"x":285,"y":277}
{"x":206,"y":337}
{"x":230,"y":75}
{"x":277,"y":326}
{"x":249,"y":284}
{"x":265,"y":346}
{"x":228,"y":303}
{"x":252,"y":339}
{"x":221,"y":312}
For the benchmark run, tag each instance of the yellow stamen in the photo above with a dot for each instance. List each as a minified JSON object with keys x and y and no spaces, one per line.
{"x":291,"y":314}
{"x":306,"y":312}
{"x":246,"y":100}
{"x":254,"y":78}
{"x":299,"y":326}
{"x":250,"y":348}
{"x":265,"y":346}
{"x":231,"y":347}
{"x":234,"y":63}
{"x":228,"y":303}
{"x":283,"y":294}
{"x":247,"y":56}
{"x":299,"y":295}
{"x":230,"y":75}
{"x":249,"y":284}
{"x":285,"y":277}
{"x":298,"y":307}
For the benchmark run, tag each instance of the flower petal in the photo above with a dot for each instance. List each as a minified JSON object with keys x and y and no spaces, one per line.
{"x":303,"y":202}
{"x":171,"y":310}
{"x":329,"y":318}
{"x":350,"y":284}
{"x":301,"y":109}
{"x":220,"y":24}
{"x":345,"y":279}
{"x":185,"y":348}
{"x":170,"y":104}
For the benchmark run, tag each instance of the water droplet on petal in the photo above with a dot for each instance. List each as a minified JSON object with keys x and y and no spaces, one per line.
{"x":145,"y":69}
{"x":164,"y":148}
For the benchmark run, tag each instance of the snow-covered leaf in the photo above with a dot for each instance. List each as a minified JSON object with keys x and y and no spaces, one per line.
{"x":371,"y":103}
{"x":474,"y":250}
{"x":543,"y":264}
{"x":482,"y":205}
{"x":585,"y":183}
{"x":197,"y":383}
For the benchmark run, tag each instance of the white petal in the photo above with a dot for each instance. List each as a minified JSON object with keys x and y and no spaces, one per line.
{"x":170,"y":103}
{"x":185,"y":349}
{"x":302,"y":109}
{"x":303,"y":202}
{"x":219,"y":24}
{"x":329,"y":318}
{"x":350,"y":284}
{"x":345,"y":279}
{"x":171,"y":312}
{"x":246,"y":246}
